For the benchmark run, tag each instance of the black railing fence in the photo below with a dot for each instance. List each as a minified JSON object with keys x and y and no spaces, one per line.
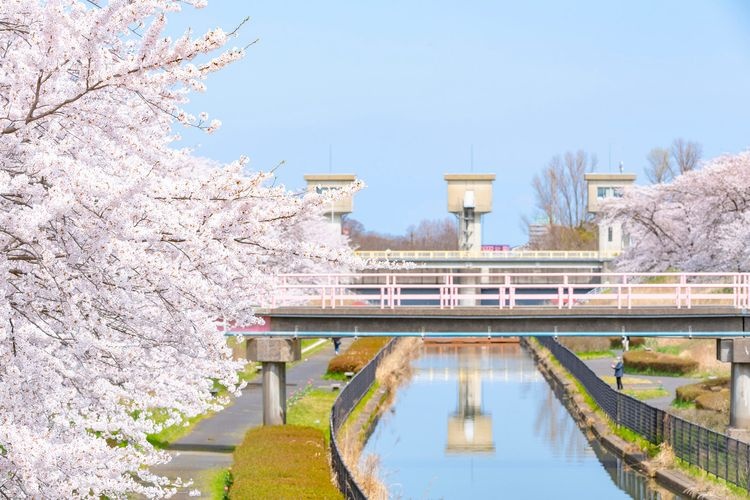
{"x":342,"y":407}
{"x":716,"y":453}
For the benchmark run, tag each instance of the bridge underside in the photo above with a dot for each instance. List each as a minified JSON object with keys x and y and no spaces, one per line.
{"x":543,"y":320}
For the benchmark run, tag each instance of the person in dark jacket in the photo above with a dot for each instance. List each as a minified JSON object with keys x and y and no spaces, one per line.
{"x":336,"y":344}
{"x":618,"y":366}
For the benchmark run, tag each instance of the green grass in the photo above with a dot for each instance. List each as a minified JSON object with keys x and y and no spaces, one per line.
{"x":284,"y":461}
{"x":674,"y":350}
{"x":683,"y":405}
{"x":360,"y":407}
{"x":313,"y":410}
{"x":632,"y":437}
{"x":658,"y":373}
{"x":307,"y":343}
{"x":218,"y":483}
{"x":340,"y":376}
{"x":170,"y":434}
{"x":701,"y":475}
{"x":646,"y":394}
{"x":596,"y":354}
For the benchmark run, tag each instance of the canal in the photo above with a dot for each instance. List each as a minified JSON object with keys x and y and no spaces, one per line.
{"x":480,"y":421}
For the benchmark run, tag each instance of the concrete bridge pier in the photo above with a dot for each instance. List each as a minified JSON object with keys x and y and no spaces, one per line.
{"x":273,"y":354}
{"x":737,"y":352}
{"x":469,"y":292}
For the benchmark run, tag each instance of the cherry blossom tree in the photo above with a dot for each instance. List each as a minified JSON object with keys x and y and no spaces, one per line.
{"x":118,"y":250}
{"x":698,"y":222}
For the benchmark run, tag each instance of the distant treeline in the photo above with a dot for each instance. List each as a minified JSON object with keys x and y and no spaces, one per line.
{"x":439,"y":234}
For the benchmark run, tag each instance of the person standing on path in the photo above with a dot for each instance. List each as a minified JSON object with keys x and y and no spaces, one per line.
{"x":336,"y":344}
{"x":618,"y":367}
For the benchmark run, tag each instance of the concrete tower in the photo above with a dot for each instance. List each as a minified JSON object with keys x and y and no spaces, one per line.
{"x":469,"y":197}
{"x":601,"y":186}
{"x":338,"y":208}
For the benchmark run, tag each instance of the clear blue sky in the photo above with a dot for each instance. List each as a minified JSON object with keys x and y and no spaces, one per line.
{"x":401,"y":90}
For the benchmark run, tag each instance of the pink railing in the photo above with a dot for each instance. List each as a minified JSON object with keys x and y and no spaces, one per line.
{"x":512,"y":290}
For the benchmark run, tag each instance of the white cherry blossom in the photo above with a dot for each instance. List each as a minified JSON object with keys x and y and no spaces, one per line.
{"x":118,"y":250}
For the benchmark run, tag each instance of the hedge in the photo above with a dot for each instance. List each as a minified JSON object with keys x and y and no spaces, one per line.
{"x":711,"y":394}
{"x":359,"y":353}
{"x":644,"y":361}
{"x":282,"y":462}
{"x":716,"y":401}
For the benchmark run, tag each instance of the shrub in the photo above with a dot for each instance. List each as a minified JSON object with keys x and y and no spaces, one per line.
{"x":282,"y":462}
{"x":691,"y":392}
{"x":645,"y":361}
{"x":359,"y":353}
{"x":716,"y":401}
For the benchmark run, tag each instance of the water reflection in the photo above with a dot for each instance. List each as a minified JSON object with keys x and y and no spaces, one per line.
{"x":508,"y":435}
{"x":469,"y":429}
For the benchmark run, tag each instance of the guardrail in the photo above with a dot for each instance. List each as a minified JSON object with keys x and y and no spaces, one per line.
{"x":487,"y":255}
{"x":347,"y":399}
{"x":511,"y":290}
{"x":716,"y":453}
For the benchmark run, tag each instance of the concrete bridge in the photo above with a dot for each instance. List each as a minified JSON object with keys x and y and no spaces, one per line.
{"x":491,"y":305}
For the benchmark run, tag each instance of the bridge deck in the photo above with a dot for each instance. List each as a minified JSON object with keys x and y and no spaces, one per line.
{"x":715,"y":321}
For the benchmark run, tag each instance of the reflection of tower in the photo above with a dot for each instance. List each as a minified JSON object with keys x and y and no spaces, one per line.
{"x":469,"y":431}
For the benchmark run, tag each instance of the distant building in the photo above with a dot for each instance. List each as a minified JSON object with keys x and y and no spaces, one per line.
{"x":338,"y":208}
{"x":602,"y":186}
{"x":538,"y":231}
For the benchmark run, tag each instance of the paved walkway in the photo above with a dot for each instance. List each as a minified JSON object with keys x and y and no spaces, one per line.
{"x":208,"y":448}
{"x":603,"y":367}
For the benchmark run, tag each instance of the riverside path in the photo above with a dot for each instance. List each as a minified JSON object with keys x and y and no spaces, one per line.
{"x":208,"y":447}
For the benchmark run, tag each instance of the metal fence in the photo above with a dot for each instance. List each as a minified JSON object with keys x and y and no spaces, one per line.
{"x":349,"y":397}
{"x":567,"y":290}
{"x":716,"y":453}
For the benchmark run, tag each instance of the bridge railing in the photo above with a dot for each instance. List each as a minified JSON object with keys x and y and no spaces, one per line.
{"x":387,"y":290}
{"x":716,"y":453}
{"x":347,"y":399}
{"x":487,"y":255}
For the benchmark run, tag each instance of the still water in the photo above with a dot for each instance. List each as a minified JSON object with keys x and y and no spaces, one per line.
{"x":481,"y":422}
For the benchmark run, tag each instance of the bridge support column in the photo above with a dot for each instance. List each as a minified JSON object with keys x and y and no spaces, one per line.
{"x":468,"y":280}
{"x":274,"y":353}
{"x":737,"y":352}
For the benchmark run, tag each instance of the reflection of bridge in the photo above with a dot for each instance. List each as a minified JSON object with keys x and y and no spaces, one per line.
{"x":502,"y":374}
{"x":509,"y":259}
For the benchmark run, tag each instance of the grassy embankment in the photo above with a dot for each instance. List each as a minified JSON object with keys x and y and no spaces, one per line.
{"x":660,"y":456}
{"x":292,"y":460}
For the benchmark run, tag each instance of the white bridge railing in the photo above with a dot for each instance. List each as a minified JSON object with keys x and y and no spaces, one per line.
{"x":487,"y":255}
{"x":511,"y":290}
